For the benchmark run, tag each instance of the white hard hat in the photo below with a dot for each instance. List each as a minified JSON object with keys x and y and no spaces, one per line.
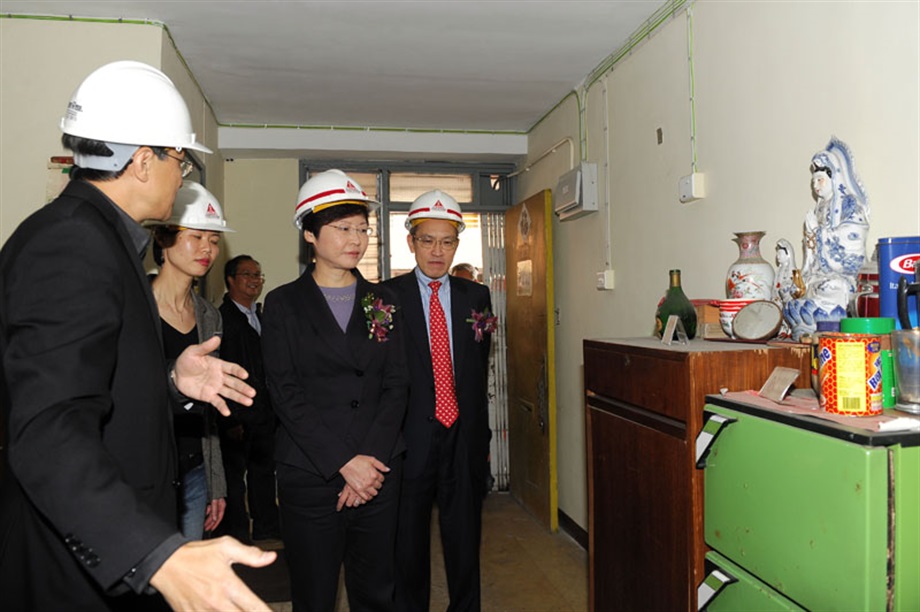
{"x":327,"y":189}
{"x":197,"y":208}
{"x":131,"y":103}
{"x":435,"y":205}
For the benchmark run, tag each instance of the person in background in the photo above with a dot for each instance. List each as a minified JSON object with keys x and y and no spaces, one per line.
{"x":184,"y":248}
{"x":336,"y":370}
{"x":247,"y":438}
{"x":464,"y":270}
{"x":449,"y":325}
{"x":87,"y":497}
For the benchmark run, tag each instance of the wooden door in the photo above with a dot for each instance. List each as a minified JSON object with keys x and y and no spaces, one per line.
{"x":531,"y":357}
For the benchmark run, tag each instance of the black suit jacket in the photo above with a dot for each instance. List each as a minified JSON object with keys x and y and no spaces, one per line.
{"x":242,"y":344}
{"x":337,"y":394}
{"x":91,"y":457}
{"x":471,"y":370}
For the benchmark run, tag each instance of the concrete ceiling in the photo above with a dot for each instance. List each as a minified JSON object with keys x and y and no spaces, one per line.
{"x":465,"y":65}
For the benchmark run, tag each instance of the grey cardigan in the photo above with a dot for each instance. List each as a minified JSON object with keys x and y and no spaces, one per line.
{"x":208,"y":322}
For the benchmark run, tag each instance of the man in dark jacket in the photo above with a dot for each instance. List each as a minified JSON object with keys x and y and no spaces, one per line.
{"x":448,"y":338}
{"x":247,"y":438}
{"x":87,"y":495}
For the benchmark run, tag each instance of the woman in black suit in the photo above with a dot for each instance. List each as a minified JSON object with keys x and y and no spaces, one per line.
{"x":336,"y":372}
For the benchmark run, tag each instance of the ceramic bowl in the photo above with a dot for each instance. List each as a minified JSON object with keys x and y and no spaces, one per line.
{"x":733,"y":305}
{"x":727,"y":311}
{"x":725,"y":320}
{"x":757,"y":321}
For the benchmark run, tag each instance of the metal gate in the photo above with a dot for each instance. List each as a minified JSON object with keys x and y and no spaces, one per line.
{"x":493,"y":274}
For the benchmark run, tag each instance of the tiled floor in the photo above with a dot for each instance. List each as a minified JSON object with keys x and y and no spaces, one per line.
{"x":524,"y":567}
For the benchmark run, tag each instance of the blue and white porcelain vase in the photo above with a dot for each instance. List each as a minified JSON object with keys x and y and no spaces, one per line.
{"x":750,"y":276}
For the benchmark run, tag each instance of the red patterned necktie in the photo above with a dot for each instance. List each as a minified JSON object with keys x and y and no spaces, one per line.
{"x":445,"y":404}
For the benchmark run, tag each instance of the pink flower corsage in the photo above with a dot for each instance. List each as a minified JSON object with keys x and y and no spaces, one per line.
{"x":379,"y":317}
{"x":483,"y":322}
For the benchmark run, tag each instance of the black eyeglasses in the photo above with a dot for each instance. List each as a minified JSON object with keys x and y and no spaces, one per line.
{"x":185,"y":165}
{"x":251,"y":275}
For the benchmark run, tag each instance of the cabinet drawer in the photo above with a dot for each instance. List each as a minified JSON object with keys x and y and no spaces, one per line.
{"x":743,"y":592}
{"x":656,"y":383}
{"x":804,"y":512}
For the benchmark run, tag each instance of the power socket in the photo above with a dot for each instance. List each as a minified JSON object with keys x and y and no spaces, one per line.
{"x":605,"y":280}
{"x":691,"y":187}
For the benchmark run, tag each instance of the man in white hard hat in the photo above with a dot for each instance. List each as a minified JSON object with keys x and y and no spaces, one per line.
{"x":446,"y":428}
{"x":87,"y":494}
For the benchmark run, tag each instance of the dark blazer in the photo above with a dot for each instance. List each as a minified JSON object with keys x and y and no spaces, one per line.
{"x":89,"y":491}
{"x":471,"y":370}
{"x":242,"y":344}
{"x":337,"y":394}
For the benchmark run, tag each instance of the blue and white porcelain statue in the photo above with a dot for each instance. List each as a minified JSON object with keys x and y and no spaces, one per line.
{"x":834,"y":242}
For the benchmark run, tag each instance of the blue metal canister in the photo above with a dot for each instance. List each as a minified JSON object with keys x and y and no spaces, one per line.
{"x":897,"y":257}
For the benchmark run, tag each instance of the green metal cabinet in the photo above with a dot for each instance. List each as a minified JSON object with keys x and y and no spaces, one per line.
{"x":811,"y":509}
{"x":728,"y":587}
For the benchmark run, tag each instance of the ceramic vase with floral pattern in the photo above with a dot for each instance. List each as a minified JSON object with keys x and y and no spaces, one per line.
{"x":751,"y":276}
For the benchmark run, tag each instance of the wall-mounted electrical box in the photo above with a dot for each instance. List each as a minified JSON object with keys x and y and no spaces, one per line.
{"x":691,"y":188}
{"x":605,"y":280}
{"x":576,"y":192}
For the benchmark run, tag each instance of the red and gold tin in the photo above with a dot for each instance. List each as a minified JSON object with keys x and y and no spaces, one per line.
{"x":851,"y":373}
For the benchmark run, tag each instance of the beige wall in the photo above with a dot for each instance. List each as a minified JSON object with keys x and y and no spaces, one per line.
{"x":205,"y":125}
{"x":773,"y":82}
{"x":259,"y":204}
{"x":41,"y":63}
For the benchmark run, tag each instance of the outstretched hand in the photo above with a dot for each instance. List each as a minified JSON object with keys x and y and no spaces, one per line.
{"x":198,"y":576}
{"x":202,"y":377}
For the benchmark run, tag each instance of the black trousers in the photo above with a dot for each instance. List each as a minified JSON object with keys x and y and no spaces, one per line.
{"x":318,"y":540}
{"x":236,"y":519}
{"x":260,"y":482}
{"x":250,"y":472}
{"x":454,"y":481}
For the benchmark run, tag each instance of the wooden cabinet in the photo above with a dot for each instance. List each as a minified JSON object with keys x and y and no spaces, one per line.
{"x":644,"y":408}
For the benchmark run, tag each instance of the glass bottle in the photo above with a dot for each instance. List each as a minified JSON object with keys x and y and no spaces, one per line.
{"x":675,"y":302}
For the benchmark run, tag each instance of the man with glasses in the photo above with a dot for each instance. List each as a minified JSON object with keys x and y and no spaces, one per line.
{"x":185,"y":165}
{"x":247,"y":438}
{"x":447,"y":423}
{"x":88,"y":486}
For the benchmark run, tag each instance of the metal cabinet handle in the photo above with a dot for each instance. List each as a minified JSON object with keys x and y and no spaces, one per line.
{"x":715,"y":423}
{"x":711,"y":586}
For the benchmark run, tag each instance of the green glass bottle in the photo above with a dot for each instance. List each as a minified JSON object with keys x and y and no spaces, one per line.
{"x":675,"y":302}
